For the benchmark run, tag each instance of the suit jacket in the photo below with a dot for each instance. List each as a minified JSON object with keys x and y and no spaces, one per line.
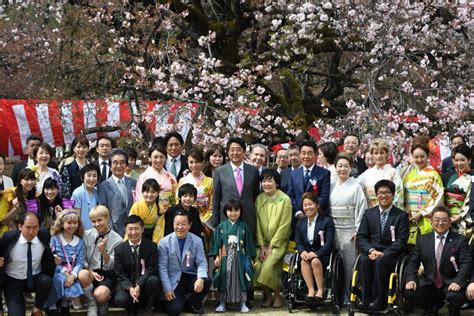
{"x":323,"y":224}
{"x":455,"y":246}
{"x":125,"y":267}
{"x":284,"y":179}
{"x":296,"y":187}
{"x":96,"y":162}
{"x":172,"y":264}
{"x":359,"y":167}
{"x":369,"y":234}
{"x":22,"y":165}
{"x":9,"y":240}
{"x":224,"y":189}
{"x":109,"y":195}
{"x":184,"y":166}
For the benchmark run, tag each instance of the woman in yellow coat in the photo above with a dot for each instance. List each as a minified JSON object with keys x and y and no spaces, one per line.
{"x":274,"y":214}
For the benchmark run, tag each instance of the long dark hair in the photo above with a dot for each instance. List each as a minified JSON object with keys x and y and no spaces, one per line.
{"x":213,"y":148}
{"x":25,"y":174}
{"x":44,"y":204}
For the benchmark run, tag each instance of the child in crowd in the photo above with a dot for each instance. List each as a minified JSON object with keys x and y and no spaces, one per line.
{"x":187,"y":196}
{"x":97,"y":278}
{"x":17,"y":200}
{"x":69,"y":249}
{"x":233,"y":249}
{"x":50,"y":204}
{"x":149,"y":211}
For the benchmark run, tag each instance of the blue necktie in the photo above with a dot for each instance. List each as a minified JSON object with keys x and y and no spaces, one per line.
{"x":306,"y":177}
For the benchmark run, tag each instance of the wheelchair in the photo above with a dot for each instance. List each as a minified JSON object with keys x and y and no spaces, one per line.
{"x":334,"y":282}
{"x":397,"y":304}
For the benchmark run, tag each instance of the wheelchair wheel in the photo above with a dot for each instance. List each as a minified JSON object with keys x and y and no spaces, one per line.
{"x":355,"y":292}
{"x":401,"y":268}
{"x":292,"y":283}
{"x":336,"y":276}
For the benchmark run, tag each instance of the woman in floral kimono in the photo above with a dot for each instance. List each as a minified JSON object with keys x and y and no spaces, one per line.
{"x":423,"y":190}
{"x":458,"y":186}
{"x":166,"y":180}
{"x":233,"y":248}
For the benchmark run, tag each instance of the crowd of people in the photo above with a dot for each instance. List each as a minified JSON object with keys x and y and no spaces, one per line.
{"x":96,"y":229}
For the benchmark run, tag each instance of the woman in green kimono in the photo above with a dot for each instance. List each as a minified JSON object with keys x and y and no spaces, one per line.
{"x":458,"y":186}
{"x":233,"y":248}
{"x":274,"y":213}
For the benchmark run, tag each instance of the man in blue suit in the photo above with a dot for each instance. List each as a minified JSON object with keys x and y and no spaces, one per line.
{"x":116,"y":192}
{"x":308,"y":178}
{"x":183,"y":268}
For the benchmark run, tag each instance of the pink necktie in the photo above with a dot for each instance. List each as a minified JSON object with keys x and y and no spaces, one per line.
{"x":439,"y":251}
{"x":238,"y":181}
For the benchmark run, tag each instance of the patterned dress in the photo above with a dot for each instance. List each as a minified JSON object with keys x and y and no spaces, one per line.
{"x":423,"y":191}
{"x":457,"y":191}
{"x":168,"y":186}
{"x":373,"y":175}
{"x":72,"y":253}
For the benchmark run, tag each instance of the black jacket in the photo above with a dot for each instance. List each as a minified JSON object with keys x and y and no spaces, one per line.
{"x":9,"y":240}
{"x":455,"y":248}
{"x":369,"y":234}
{"x":124,"y":267}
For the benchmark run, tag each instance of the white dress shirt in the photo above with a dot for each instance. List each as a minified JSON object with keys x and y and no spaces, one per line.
{"x":311,"y":226}
{"x":17,"y":261}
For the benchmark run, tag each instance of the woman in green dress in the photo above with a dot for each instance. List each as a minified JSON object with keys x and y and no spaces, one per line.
{"x":233,"y":248}
{"x":274,"y":214}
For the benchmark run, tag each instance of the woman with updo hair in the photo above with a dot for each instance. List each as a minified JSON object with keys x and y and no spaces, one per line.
{"x":347,"y":204}
{"x":423,"y":189}
{"x":457,"y":190}
{"x":382,"y":170}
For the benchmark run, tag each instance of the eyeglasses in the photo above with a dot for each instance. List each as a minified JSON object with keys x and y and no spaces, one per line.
{"x":439,"y":220}
{"x":383,"y":193}
{"x":282,"y":157}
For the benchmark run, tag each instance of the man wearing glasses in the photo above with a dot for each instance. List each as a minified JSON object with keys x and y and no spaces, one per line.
{"x":382,"y":238}
{"x":446,"y":259}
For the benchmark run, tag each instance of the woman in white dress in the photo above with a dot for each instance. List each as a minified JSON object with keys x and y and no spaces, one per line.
{"x":379,"y":149}
{"x":347,"y":203}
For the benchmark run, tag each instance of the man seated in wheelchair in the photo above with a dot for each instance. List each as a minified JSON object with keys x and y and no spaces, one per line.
{"x":381,"y":238}
{"x":314,"y":236}
{"x":446,"y":259}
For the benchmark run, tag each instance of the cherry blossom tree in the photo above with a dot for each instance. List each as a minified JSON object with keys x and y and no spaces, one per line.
{"x":263,"y":69}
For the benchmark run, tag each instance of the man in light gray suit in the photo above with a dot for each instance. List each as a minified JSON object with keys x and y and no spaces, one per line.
{"x":116,"y":192}
{"x":182,"y":265}
{"x":236,"y":180}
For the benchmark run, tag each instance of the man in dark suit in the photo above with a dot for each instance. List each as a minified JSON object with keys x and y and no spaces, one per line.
{"x":236,"y":180}
{"x":381,"y":238}
{"x":104,"y":147}
{"x":308,"y":178}
{"x":446,"y":260}
{"x":351,"y":146}
{"x":116,"y":192}
{"x":32,"y":142}
{"x":136,"y":269}
{"x":183,"y":268}
{"x":28,"y":265}
{"x":176,"y":163}
{"x":470,"y":287}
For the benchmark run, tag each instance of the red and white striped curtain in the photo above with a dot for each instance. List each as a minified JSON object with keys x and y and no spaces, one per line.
{"x":58,"y":122}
